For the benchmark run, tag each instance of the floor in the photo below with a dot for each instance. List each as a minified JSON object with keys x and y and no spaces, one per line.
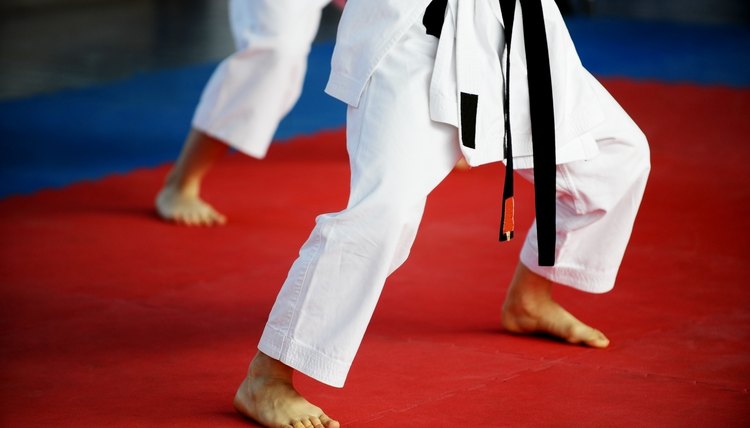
{"x":110,"y":317}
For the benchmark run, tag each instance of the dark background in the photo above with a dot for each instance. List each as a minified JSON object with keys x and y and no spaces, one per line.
{"x":46,"y":45}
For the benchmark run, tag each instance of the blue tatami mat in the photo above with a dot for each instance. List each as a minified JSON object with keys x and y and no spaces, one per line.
{"x":56,"y":139}
{"x":668,"y":52}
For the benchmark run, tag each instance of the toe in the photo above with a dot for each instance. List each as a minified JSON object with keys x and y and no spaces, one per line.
{"x":588,"y":336}
{"x":190,"y":219}
{"x":316,"y":423}
{"x":179,"y":218}
{"x":220,"y":219}
{"x":328,"y":422}
{"x":215,"y":219}
{"x":598,"y":340}
{"x":204,"y":218}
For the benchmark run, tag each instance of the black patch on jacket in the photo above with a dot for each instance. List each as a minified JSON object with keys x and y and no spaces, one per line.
{"x":469,"y":119}
{"x":434,"y":16}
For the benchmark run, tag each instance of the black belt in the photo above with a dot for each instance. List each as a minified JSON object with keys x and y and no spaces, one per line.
{"x":541,"y":110}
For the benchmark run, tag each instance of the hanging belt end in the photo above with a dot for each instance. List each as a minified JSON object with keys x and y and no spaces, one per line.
{"x":507,"y":220}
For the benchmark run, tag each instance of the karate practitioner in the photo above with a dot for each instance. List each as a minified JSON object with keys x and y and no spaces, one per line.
{"x":407,"y":126}
{"x":245,"y":99}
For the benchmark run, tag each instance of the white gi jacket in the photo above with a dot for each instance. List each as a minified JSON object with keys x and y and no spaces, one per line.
{"x":469,"y":59}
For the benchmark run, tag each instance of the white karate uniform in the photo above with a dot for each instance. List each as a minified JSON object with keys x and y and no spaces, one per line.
{"x":254,"y":88}
{"x":399,"y":153}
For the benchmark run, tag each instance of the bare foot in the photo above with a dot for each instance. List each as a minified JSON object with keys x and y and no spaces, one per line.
{"x":186,"y":208}
{"x":462,"y":165}
{"x":268,"y":397}
{"x":529,"y":309}
{"x":179,"y":200}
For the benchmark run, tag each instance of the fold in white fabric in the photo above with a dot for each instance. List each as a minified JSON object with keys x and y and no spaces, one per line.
{"x":469,"y":60}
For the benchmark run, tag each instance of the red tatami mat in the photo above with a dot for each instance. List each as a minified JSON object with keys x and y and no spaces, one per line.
{"x":110,"y":317}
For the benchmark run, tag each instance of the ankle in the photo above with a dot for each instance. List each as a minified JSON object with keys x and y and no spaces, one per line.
{"x":264,"y":367}
{"x":180,"y":184}
{"x":528,"y":290}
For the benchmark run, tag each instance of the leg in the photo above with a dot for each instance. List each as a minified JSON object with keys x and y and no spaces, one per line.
{"x":254,"y":88}
{"x":398,"y":155}
{"x":179,"y":200}
{"x":245,"y":99}
{"x":597,"y":202}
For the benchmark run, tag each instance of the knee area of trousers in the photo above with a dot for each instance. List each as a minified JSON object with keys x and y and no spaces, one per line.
{"x":396,"y":218}
{"x":636,"y":166}
{"x":641,"y":154}
{"x":623,"y":176}
{"x":372,"y":223}
{"x":634,"y":156}
{"x":390,"y":222}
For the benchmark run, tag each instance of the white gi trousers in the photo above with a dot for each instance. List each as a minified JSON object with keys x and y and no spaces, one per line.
{"x":398,"y":155}
{"x":254,"y":88}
